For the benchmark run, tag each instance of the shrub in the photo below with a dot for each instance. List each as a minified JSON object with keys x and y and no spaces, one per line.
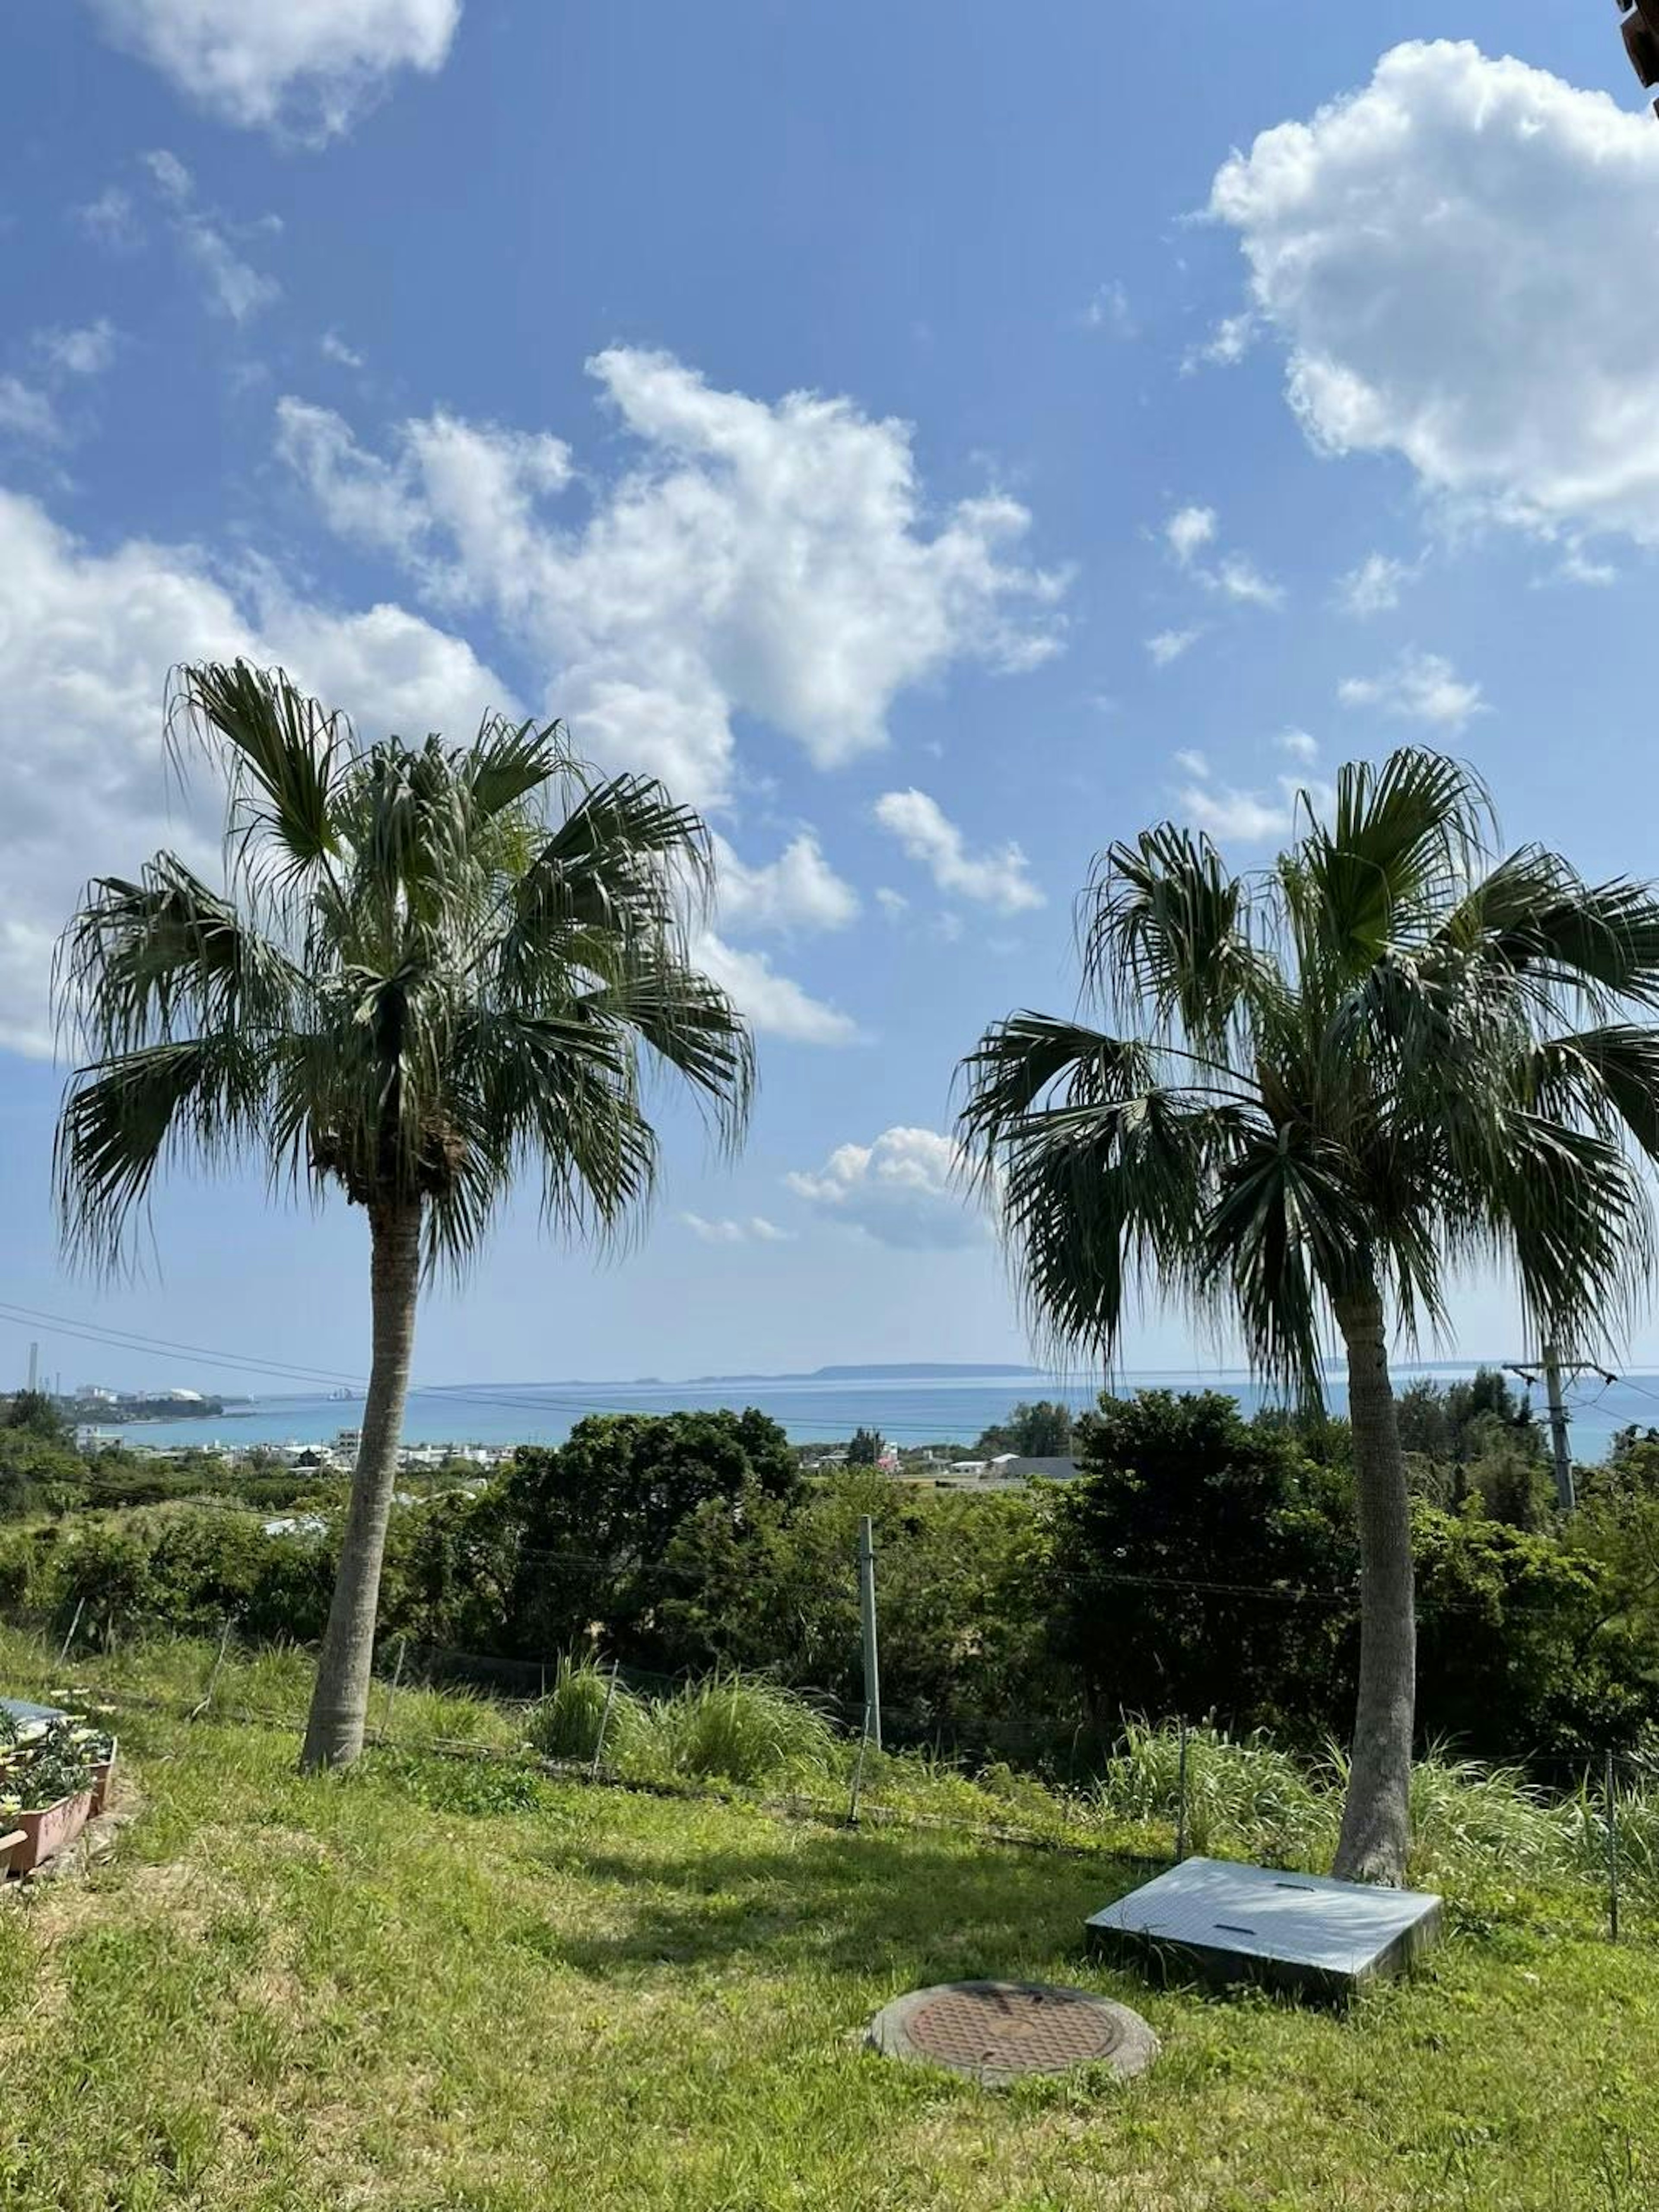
{"x":733,"y":1729}
{"x":568,"y":1722}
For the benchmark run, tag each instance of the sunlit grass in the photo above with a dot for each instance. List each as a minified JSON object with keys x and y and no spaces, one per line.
{"x":456,"y":1983}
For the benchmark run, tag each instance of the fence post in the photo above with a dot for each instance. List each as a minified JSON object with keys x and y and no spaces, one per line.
{"x":604,"y":1723}
{"x":80,"y":1603}
{"x":196,"y":1710}
{"x":1181,"y":1800}
{"x":391,"y":1689}
{"x":1611,"y":1790}
{"x":858,"y":1772}
{"x":868,"y":1609}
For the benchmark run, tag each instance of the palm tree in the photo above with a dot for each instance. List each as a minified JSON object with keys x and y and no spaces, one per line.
{"x":1321,"y":1090}
{"x":431,"y":969}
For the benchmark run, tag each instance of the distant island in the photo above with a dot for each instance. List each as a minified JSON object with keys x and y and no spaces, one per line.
{"x":913,"y":1371}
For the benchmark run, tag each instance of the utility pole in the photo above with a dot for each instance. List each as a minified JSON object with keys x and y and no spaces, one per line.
{"x":1548,"y":1370}
{"x":35,"y":1365}
{"x":867,"y":1609}
{"x":1560,"y":1450}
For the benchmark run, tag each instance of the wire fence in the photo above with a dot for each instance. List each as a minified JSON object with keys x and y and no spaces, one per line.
{"x":1197,"y":1792}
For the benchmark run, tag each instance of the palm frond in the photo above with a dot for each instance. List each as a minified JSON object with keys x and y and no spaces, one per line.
{"x":1403,"y":838}
{"x":1168,"y":934}
{"x":281,"y":751}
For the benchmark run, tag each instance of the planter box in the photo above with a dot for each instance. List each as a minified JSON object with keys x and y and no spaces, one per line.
{"x":8,"y":1844}
{"x":46,"y":1833}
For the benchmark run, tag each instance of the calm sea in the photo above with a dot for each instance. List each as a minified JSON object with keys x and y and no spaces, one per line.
{"x":910,"y":1410}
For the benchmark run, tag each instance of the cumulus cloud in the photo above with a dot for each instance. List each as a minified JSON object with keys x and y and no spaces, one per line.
{"x":902,"y":1189}
{"x":798,"y":890}
{"x":1419,"y":687}
{"x":1374,"y":587}
{"x":304,"y":69}
{"x":1237,"y":577}
{"x":332,"y":347}
{"x":1168,"y":645}
{"x":997,"y":877}
{"x":1248,"y":816}
{"x":1454,"y":257}
{"x":772,"y":559}
{"x":773,"y":1005}
{"x":756,"y":1229}
{"x":85,"y":641}
{"x":1189,"y":531}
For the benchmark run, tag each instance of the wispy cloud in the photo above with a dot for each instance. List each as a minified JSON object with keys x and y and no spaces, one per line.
{"x":1419,"y":687}
{"x":1374,"y":587}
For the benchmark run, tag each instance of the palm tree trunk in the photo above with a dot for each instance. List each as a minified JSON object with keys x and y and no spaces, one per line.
{"x":1376,"y":1818}
{"x":339,"y":1703}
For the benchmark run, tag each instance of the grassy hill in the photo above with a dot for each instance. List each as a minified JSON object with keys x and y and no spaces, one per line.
{"x":434,"y":1984}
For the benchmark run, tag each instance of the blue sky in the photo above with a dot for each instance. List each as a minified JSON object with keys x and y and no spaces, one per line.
{"x":940,"y":439}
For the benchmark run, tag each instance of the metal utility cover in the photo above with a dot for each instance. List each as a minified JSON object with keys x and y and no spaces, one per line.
{"x":1298,"y":1931}
{"x":20,"y":1711}
{"x":995,"y":2032}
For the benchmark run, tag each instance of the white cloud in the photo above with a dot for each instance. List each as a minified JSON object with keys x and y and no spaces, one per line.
{"x":903,"y":1189}
{"x":1577,"y":567}
{"x":233,"y":287}
{"x":798,"y":890}
{"x":1227,"y":345}
{"x":85,"y":352}
{"x":1194,"y":763}
{"x":1238,"y":578}
{"x":773,"y":1005}
{"x":774,"y":560}
{"x":893,"y":905}
{"x":1420,"y":687}
{"x":756,"y":1229}
{"x":1454,"y":257}
{"x":1297,"y":743}
{"x":1225,"y":812}
{"x":25,"y":413}
{"x":333,"y":346}
{"x":1248,"y":816}
{"x":169,"y":175}
{"x":1189,"y":531}
{"x":1374,"y":587}
{"x":111,"y":220}
{"x":995,"y":877}
{"x":1168,"y":645}
{"x":85,"y":641}
{"x":304,"y":68}
{"x":1109,"y":311}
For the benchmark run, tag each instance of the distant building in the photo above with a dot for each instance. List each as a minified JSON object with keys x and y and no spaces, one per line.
{"x":1013,"y":1468}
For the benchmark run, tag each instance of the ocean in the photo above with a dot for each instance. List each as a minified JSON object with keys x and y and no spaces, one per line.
{"x":911,"y":1409}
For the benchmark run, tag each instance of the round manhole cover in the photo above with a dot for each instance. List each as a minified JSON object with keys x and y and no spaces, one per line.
{"x":994,"y":2032}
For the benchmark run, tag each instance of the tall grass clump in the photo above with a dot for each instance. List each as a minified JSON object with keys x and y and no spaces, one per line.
{"x":735,"y":1728}
{"x":568,"y":1721}
{"x":1241,"y":1793}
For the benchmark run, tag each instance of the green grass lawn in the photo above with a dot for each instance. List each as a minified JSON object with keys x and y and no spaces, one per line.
{"x":439,"y":1984}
